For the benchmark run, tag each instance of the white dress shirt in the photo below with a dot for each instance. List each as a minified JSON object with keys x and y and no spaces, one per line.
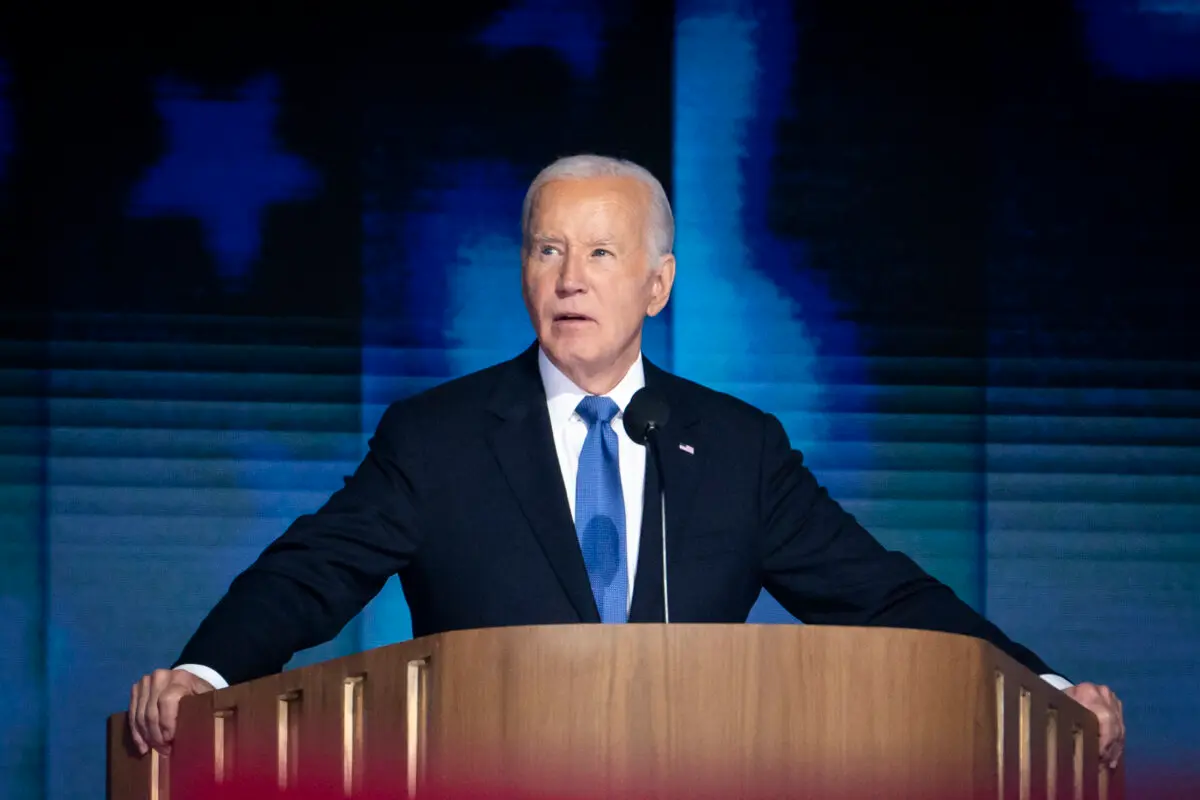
{"x":569,"y":431}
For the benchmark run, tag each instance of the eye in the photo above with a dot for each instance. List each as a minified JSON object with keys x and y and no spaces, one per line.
{"x":600,"y":251}
{"x":548,"y":250}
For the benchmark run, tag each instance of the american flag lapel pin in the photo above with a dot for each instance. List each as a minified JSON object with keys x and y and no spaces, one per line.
{"x":687,"y":448}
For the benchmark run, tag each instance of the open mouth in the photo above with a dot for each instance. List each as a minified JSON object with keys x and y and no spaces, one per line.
{"x":572,"y":318}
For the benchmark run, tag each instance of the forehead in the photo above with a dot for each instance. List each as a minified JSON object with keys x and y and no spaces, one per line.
{"x":571,"y":202}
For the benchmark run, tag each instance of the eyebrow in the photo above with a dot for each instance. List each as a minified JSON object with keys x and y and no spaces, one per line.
{"x":600,"y":241}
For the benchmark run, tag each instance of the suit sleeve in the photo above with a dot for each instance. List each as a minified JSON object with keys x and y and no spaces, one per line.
{"x":308,"y":583}
{"x":825,"y":568}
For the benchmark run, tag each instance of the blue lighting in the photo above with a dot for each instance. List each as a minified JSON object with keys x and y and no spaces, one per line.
{"x":574,"y":32}
{"x":1145,"y":40}
{"x":748,"y":313}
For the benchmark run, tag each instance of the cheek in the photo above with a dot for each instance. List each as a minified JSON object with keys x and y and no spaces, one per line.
{"x":539,"y":300}
{"x":534,"y":290}
{"x":635,"y":301}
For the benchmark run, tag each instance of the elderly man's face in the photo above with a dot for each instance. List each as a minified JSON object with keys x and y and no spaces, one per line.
{"x":590,"y":278}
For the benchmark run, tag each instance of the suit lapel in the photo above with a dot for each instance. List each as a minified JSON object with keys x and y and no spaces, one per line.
{"x":683,"y":458}
{"x":523,"y":445}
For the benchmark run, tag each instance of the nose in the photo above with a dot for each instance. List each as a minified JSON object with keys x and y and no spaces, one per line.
{"x":571,"y":277}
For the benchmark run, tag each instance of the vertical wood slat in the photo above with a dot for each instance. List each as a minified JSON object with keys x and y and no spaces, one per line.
{"x":416,"y":722}
{"x":224,"y":745}
{"x":1010,"y":737}
{"x":1025,"y":746}
{"x":1052,"y":753}
{"x":1001,"y":728}
{"x":352,"y":734}
{"x":287,"y":737}
{"x":160,"y":776}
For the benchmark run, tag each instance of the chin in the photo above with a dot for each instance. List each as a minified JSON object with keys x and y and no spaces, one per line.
{"x":572,"y":354}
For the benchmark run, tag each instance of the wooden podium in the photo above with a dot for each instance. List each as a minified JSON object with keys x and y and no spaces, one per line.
{"x":641,"y":711}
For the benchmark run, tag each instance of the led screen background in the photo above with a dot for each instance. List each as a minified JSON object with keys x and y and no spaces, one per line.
{"x":950,"y":245}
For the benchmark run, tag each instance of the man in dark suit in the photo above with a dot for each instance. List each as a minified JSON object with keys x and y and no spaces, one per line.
{"x":514,"y":496}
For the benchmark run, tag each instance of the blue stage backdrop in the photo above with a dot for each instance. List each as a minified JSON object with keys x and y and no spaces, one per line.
{"x":951,"y":245}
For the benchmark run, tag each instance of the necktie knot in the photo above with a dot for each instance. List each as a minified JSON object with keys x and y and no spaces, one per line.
{"x":594,"y":408}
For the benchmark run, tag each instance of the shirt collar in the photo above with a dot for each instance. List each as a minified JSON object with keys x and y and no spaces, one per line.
{"x":562,"y":395}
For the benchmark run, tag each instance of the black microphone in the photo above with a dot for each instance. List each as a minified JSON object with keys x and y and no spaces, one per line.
{"x":645,"y":415}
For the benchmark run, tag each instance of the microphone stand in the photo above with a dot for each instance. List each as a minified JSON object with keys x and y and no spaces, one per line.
{"x":652,"y":444}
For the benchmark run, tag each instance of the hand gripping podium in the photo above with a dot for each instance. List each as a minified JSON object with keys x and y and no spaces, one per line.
{"x":672,"y":711}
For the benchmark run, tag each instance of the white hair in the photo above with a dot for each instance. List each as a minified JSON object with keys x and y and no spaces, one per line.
{"x":662,"y":223}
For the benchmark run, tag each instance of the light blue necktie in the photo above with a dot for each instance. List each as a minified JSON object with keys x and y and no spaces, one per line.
{"x":600,"y":509}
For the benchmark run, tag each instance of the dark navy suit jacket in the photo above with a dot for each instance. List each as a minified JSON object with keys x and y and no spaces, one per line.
{"x":462,"y":495}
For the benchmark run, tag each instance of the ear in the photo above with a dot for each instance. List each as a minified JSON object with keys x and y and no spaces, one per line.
{"x":662,"y":280}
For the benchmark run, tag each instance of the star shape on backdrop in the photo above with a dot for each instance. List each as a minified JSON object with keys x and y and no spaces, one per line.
{"x":222,"y":166}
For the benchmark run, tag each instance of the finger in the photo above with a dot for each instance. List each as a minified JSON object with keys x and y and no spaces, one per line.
{"x":1114,"y":754}
{"x":158,"y":683}
{"x":1106,"y":743}
{"x":1117,"y":711}
{"x":134,"y":732}
{"x":1108,"y":732}
{"x":143,"y":693}
{"x":1120,"y":744}
{"x":168,"y":712}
